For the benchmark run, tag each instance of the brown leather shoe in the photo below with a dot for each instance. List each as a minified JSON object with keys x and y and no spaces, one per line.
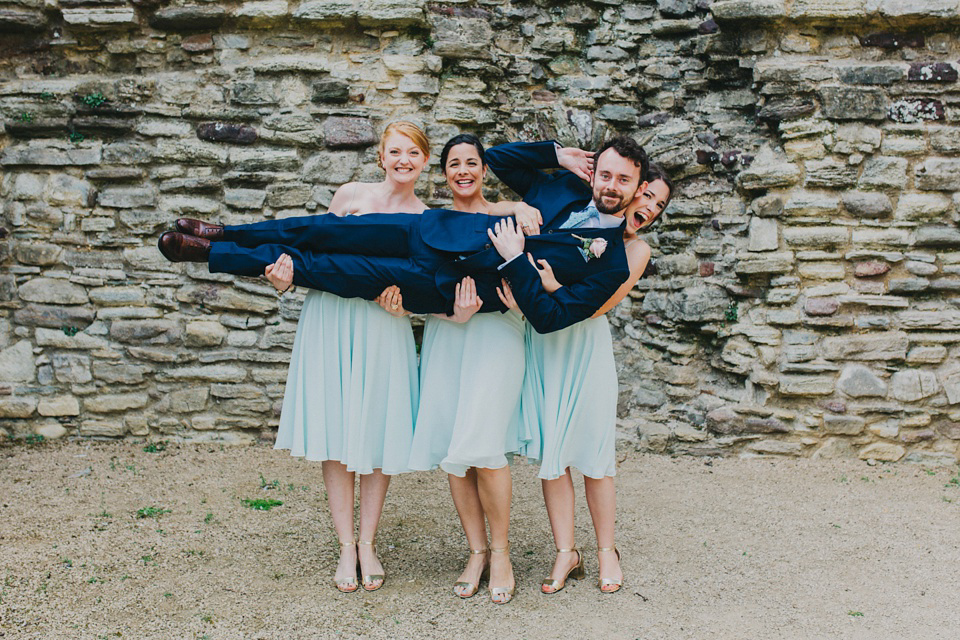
{"x":200,"y":229}
{"x":179,"y":247}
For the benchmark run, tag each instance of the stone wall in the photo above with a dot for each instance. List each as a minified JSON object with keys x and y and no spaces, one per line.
{"x":808,"y":268}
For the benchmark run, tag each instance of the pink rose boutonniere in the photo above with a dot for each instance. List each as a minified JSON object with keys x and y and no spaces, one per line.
{"x":592,"y":247}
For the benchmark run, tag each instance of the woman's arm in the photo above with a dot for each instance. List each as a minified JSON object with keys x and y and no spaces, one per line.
{"x":638,"y":256}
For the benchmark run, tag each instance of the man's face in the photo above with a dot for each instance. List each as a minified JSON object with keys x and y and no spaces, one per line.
{"x":615,"y":182}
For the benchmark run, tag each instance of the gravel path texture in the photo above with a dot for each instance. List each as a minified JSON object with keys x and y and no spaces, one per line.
{"x":108,"y":540}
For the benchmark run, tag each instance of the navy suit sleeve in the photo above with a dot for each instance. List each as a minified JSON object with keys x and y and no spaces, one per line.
{"x":518,"y":164}
{"x":566,"y":306}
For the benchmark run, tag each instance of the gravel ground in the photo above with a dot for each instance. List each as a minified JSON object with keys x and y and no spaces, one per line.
{"x":760,"y":548}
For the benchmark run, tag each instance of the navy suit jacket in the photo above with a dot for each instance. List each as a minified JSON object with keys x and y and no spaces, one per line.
{"x":521,"y":167}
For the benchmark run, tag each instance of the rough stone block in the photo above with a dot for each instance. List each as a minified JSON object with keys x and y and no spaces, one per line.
{"x":226,"y":298}
{"x":830,"y":173}
{"x":806,"y":385}
{"x":916,"y":110}
{"x":59,"y":406}
{"x":937,"y":236}
{"x":929,"y":354}
{"x":876,"y":74}
{"x":204,"y":334}
{"x":211,"y":373}
{"x":816,"y":236}
{"x":54,"y":316}
{"x":100,"y":16}
{"x":333,"y":91}
{"x":939,"y":174}
{"x":850,"y":103}
{"x":244,"y":198}
{"x":37,"y":253}
{"x":888,"y":345}
{"x":227,"y":132}
{"x":189,"y":400}
{"x":52,"y":291}
{"x":843,"y":425}
{"x":17,"y":363}
{"x":62,"y":189}
{"x":342,"y":132}
{"x":915,"y":8}
{"x":766,"y":263}
{"x":822,"y":271}
{"x":768,"y":176}
{"x":188,"y":18}
{"x":17,"y":407}
{"x":763,"y":234}
{"x":939,"y":72}
{"x":21,"y":20}
{"x":913,"y":385}
{"x":51,"y":154}
{"x":261,"y":93}
{"x":867,"y":205}
{"x":103,"y":428}
{"x":811,"y":203}
{"x":68,"y":367}
{"x":922,"y":207}
{"x":881,"y":238}
{"x":745,"y":10}
{"x":882,"y":451}
{"x":127,"y":197}
{"x":261,"y":10}
{"x":263,"y":160}
{"x":281,"y":196}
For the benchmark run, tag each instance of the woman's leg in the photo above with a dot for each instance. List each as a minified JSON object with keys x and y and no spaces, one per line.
{"x":558,"y":496}
{"x":495,"y":487}
{"x":373,"y":492}
{"x":602,"y":501}
{"x":339,"y":484}
{"x":466,"y":498}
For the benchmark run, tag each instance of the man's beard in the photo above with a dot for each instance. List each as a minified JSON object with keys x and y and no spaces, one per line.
{"x":602,"y":208}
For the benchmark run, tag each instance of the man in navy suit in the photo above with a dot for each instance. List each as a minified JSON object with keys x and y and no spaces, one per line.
{"x":427,"y":254}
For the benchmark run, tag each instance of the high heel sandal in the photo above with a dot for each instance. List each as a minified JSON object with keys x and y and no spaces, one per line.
{"x":472,"y":588}
{"x":608,"y":582}
{"x":576,"y":573}
{"x":507,"y":592}
{"x":370,"y":579}
{"x":347,"y":585}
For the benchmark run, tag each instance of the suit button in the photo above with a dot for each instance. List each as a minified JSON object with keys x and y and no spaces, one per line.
{"x":487,"y":246}
{"x":551,"y":231}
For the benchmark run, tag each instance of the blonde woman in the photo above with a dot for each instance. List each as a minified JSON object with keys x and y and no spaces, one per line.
{"x":352,"y":388}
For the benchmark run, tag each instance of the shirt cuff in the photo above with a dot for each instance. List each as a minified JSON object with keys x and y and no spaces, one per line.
{"x":509,"y":261}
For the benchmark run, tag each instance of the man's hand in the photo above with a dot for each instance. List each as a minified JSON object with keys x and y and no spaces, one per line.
{"x":545,"y":271}
{"x":528,"y":218}
{"x":465,"y":302}
{"x":507,"y":238}
{"x":392,"y":301}
{"x":578,"y":161}
{"x":280,"y":273}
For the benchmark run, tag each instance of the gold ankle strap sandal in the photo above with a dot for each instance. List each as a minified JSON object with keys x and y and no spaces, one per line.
{"x":372,"y":581}
{"x":605,"y":584}
{"x":469,"y":589}
{"x":551,"y":586}
{"x":501,"y":595}
{"x":346,"y":585}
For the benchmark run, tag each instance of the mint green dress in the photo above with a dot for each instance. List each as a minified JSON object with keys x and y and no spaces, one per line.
{"x":471,"y":378}
{"x":352,"y":389}
{"x":570,"y":400}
